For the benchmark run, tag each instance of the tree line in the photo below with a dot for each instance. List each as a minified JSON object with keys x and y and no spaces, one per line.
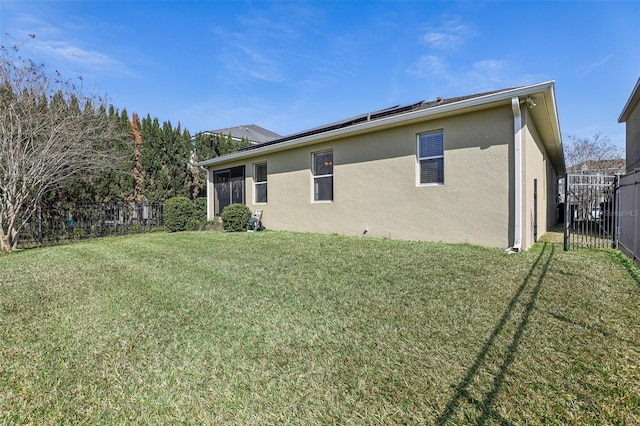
{"x":60,"y":145}
{"x":156,"y":163}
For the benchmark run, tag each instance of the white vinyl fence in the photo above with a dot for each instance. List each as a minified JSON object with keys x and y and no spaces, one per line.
{"x":628,"y":216}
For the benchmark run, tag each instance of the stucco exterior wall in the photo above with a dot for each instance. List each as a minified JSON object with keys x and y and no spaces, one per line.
{"x":376,"y":184}
{"x":633,"y":139}
{"x":537,"y":166}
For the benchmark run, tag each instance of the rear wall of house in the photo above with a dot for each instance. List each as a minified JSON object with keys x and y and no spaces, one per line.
{"x":376,"y":190}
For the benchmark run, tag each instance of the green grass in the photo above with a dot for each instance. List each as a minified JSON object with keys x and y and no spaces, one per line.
{"x":286,"y":328}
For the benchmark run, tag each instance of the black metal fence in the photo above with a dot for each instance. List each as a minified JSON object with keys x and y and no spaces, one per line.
{"x":65,"y":221}
{"x":590,"y":211}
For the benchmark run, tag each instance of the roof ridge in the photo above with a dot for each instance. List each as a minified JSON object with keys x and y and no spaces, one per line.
{"x":374,"y":115}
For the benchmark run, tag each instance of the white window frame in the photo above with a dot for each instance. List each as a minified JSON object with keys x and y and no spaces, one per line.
{"x":314,"y":176}
{"x":432,"y":157}
{"x":257,"y":183}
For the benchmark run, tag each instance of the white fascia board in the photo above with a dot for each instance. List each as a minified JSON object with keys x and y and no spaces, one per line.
{"x":553,"y":143}
{"x":393,"y":121}
{"x":631,"y":102}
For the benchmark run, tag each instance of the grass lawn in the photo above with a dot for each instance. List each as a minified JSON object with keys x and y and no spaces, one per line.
{"x":286,"y":328}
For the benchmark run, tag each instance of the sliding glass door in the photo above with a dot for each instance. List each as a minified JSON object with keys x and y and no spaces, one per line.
{"x":229,"y":187}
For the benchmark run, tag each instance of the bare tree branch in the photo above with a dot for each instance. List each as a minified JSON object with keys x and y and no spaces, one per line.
{"x":593,"y":155}
{"x":46,"y":140}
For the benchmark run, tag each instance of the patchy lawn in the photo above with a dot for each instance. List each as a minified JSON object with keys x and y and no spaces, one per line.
{"x":287,"y":328}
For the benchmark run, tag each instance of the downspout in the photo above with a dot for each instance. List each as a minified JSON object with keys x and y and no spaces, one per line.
{"x":517,"y":139}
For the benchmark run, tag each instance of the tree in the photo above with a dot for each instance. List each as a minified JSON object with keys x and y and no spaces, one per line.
{"x":165,"y":157}
{"x":46,"y":139}
{"x":138,"y":175}
{"x":593,"y":155}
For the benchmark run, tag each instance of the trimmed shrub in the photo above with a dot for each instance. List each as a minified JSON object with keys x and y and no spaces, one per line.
{"x":235,"y":217}
{"x":178,"y":211}
{"x":200,"y":209}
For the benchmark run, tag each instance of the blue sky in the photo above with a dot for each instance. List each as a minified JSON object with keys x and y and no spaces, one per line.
{"x":289,"y":66}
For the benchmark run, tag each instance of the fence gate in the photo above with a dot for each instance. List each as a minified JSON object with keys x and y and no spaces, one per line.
{"x":590,"y":206}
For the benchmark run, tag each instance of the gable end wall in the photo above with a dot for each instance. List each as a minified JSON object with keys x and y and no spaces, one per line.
{"x":633,"y":139}
{"x":537,"y":166}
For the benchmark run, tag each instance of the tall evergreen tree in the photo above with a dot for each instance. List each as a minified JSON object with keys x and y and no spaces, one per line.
{"x":138,"y":174}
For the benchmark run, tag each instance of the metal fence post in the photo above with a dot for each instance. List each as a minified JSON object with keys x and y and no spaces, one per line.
{"x":614,"y":224}
{"x":39,"y":224}
{"x":567,"y":212}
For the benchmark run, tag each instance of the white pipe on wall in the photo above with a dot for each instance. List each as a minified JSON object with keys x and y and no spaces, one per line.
{"x":517,"y":137}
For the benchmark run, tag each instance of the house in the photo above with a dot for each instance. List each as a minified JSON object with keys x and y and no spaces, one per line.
{"x":631,"y":116}
{"x":610,"y":167}
{"x":628,"y":186}
{"x":479,"y":169}
{"x":251,"y":132}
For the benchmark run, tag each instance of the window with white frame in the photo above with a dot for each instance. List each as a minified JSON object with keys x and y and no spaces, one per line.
{"x":322,"y":169}
{"x":431,"y":157}
{"x":260,"y":183}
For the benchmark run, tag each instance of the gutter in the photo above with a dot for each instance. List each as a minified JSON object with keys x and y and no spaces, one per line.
{"x":517,"y":138}
{"x":633,"y":100}
{"x":395,"y":120}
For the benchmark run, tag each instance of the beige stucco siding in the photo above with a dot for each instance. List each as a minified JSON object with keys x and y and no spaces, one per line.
{"x":536,"y":166}
{"x":376,"y":186}
{"x":633,"y":139}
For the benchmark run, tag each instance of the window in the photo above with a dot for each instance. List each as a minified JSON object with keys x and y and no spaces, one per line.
{"x":323,"y":176}
{"x":431,"y":157}
{"x":260,"y":183}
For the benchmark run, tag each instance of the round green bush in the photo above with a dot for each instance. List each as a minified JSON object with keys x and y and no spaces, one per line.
{"x":200,"y":209}
{"x":178,"y":211}
{"x":235,"y":217}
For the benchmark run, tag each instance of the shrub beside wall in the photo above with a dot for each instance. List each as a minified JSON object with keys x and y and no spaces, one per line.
{"x":235,"y":217}
{"x":178,"y":214}
{"x":200,"y":210}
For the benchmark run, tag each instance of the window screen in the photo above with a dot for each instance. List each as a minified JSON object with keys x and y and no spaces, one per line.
{"x":431,"y":157}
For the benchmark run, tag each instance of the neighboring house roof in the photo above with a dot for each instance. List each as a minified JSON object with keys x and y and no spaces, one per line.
{"x":631,"y":104}
{"x":608,"y":167}
{"x":255,"y":134}
{"x":542,"y":94}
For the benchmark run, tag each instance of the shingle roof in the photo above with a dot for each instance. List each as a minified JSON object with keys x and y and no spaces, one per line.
{"x":252,"y":132}
{"x":545,"y":115}
{"x":370,"y":116}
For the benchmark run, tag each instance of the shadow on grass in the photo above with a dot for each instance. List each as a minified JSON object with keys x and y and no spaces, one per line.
{"x":484,"y":403}
{"x":603,"y":332}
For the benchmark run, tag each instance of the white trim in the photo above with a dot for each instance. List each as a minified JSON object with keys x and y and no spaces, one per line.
{"x":256,"y":183}
{"x":391,"y":121}
{"x":517,"y":137}
{"x":634,"y":98}
{"x":211,"y":215}
{"x":433,"y":157}
{"x":314,"y":176}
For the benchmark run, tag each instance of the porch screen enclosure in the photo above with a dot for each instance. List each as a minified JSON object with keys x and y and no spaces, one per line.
{"x":229,"y":188}
{"x":590,"y":205}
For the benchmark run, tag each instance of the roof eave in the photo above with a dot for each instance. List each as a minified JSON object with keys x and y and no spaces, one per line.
{"x":631,"y":103}
{"x":553,"y":142}
{"x":397,"y":120}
